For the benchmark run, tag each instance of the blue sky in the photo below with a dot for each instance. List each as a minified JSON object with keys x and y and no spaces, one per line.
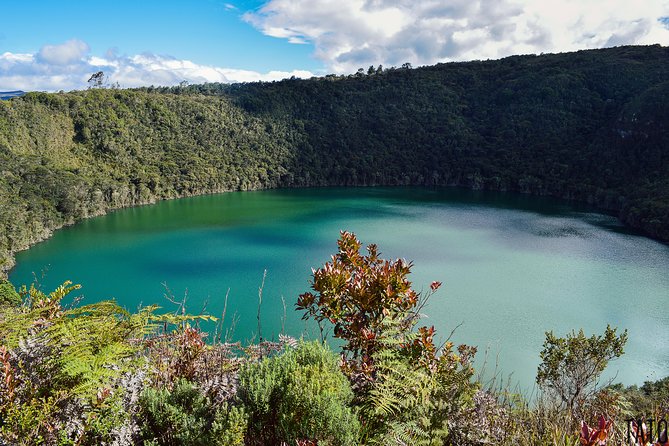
{"x":204,"y":31}
{"x":53,"y":45}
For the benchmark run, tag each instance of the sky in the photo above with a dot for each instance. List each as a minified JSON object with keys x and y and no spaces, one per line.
{"x":51,"y":45}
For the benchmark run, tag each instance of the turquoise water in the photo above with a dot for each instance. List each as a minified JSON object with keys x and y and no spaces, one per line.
{"x":512,"y":266}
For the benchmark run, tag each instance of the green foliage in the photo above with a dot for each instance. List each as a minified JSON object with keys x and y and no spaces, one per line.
{"x":651,"y":400}
{"x":559,"y":125}
{"x":414,"y":404}
{"x":59,"y":360}
{"x":407,"y":389}
{"x":184,"y":416}
{"x":29,"y":423}
{"x":61,"y":366}
{"x":105,"y":415}
{"x":570,"y":366}
{"x":359,"y":295}
{"x":8,"y":294}
{"x":88,"y":342}
{"x":299,"y":395}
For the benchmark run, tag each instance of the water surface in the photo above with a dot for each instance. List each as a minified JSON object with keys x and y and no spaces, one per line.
{"x":513,"y":266}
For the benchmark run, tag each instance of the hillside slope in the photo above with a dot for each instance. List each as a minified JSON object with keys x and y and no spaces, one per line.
{"x":588,"y":126}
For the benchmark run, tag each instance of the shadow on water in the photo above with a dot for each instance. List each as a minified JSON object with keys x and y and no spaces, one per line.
{"x":513,"y":265}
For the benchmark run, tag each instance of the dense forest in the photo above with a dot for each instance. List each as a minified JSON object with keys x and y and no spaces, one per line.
{"x":588,"y":126}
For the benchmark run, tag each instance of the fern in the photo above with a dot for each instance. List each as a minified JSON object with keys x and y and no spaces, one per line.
{"x":93,"y":344}
{"x":72,"y":357}
{"x":392,"y":406}
{"x":413,"y":399}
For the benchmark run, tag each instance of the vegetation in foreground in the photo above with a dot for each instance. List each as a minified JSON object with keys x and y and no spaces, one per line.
{"x":96,"y":374}
{"x":588,"y":126}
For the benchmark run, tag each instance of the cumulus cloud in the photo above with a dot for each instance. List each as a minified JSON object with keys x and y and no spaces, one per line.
{"x":348,"y":34}
{"x":63,"y":54}
{"x":68,"y":67}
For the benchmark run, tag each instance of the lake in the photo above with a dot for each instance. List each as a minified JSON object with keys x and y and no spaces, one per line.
{"x":512,"y":266}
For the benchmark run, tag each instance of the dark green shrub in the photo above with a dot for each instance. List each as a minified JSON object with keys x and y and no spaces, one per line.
{"x":184,"y":416}
{"x":298,"y":395}
{"x":8,"y":294}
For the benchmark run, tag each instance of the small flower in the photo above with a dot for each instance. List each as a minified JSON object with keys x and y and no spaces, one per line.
{"x":435,"y":285}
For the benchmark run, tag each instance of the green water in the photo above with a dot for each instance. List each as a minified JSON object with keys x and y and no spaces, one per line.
{"x":512,"y":266}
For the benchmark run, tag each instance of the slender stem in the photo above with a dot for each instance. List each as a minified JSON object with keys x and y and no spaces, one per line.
{"x":260,"y":289}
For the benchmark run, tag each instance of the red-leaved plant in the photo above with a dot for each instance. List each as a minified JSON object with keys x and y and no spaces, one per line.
{"x":366,"y":298}
{"x":595,"y":436}
{"x":640,"y":435}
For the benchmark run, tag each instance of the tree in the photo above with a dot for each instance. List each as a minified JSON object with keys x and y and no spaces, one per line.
{"x":361,"y":295}
{"x":406,"y":386}
{"x":570,"y":367}
{"x":96,"y":80}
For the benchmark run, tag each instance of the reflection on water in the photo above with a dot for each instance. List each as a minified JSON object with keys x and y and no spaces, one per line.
{"x":513,"y":266}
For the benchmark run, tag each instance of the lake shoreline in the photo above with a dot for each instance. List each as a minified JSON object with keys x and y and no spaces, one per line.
{"x":8,"y":266}
{"x":503,"y":255}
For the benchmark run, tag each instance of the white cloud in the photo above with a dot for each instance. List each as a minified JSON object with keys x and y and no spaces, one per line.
{"x":348,"y":34}
{"x":69,"y":66}
{"x":63,"y":54}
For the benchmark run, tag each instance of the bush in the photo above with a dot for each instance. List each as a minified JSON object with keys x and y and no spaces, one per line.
{"x":298,"y":395}
{"x":183,"y":416}
{"x":8,"y":294}
{"x":62,"y":369}
{"x":651,"y":399}
{"x":413,"y":404}
{"x":59,"y":367}
{"x":570,"y":367}
{"x":407,"y":390}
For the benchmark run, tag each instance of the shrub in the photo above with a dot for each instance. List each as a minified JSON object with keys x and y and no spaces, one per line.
{"x":407,"y":390}
{"x":61,"y":368}
{"x":419,"y":401}
{"x":8,"y":294}
{"x":56,"y":361}
{"x":570,"y":367}
{"x":296,"y":396}
{"x":183,"y":416}
{"x":651,"y":399}
{"x":359,"y":295}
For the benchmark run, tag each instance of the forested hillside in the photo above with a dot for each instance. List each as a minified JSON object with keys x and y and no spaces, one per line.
{"x":590,"y":126}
